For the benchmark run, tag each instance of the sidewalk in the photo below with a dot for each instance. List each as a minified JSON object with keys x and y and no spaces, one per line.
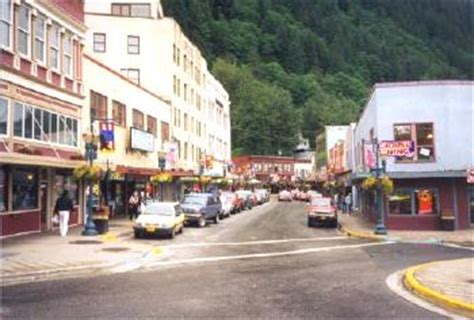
{"x":357,"y":226}
{"x":449,"y":284}
{"x":48,"y":255}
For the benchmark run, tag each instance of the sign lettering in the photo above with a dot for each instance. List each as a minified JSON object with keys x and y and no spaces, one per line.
{"x":404,"y":148}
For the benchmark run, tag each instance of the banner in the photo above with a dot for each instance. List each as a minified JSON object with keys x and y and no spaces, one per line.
{"x":470,"y":176}
{"x":107,"y":141}
{"x":369,"y":156}
{"x":403,"y":148}
{"x":171,"y":153}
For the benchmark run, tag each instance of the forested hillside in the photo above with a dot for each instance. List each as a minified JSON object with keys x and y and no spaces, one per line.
{"x":293,"y":66}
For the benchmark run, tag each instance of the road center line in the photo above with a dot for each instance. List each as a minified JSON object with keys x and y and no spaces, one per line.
{"x":247,"y":243}
{"x":262,"y":255}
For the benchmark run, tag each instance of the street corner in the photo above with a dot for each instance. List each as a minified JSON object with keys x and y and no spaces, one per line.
{"x":447,"y":284}
{"x":361,"y":234}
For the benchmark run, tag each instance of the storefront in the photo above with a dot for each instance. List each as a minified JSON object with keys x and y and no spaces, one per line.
{"x":28,"y":195}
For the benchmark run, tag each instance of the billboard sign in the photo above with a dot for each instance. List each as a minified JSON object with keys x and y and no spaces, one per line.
{"x":141,"y":140}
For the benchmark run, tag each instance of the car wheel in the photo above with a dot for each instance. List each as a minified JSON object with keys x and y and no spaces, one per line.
{"x":216,"y":219}
{"x":172,"y":233}
{"x":138,"y":235}
{"x":202,"y":222}
{"x":181,"y":230}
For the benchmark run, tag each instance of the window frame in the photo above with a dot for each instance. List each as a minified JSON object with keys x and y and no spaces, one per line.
{"x":126,"y":73}
{"x":413,"y":191}
{"x":101,"y":99}
{"x":116,"y":105}
{"x":27,"y":31}
{"x":137,"y":46}
{"x":67,"y":39}
{"x":129,"y":6}
{"x":9,"y":24}
{"x":414,"y":138}
{"x":95,"y":42}
{"x":136,"y":112}
{"x":54,"y":30}
{"x":40,"y":39}
{"x":7,"y":122}
{"x":154,"y":129}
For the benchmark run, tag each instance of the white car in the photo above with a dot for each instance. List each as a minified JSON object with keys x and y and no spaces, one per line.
{"x":160,"y":218}
{"x":284,"y":195}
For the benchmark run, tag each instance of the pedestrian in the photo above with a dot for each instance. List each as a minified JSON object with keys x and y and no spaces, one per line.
{"x":64,"y":206}
{"x":133,"y":205}
{"x":348,"y":202}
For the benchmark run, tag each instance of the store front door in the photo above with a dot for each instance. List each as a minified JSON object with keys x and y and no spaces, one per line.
{"x":44,"y":205}
{"x":471,"y":203}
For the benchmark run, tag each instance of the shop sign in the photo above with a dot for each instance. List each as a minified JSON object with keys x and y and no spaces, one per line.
{"x":425,"y":202}
{"x":403,"y":148}
{"x":470,"y":176}
{"x":141,"y":140}
{"x":107,"y":141}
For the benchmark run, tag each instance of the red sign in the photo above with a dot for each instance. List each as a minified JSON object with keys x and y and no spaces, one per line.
{"x":404,"y":148}
{"x":425,"y":202}
{"x":470,"y":176}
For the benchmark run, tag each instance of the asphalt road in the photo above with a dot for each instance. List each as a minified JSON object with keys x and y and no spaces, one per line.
{"x":265,"y":263}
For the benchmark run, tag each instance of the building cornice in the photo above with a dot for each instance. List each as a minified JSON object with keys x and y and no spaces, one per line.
{"x":63,"y":14}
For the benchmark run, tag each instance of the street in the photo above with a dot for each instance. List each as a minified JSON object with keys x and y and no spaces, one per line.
{"x":263,"y":263}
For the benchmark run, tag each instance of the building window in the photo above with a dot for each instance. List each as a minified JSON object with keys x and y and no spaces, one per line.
{"x":40,"y":36}
{"x":119,"y":113}
{"x":174,"y":84}
{"x":174,"y":53}
{"x":3,"y":189}
{"x":132,"y":75}
{"x":98,"y":105}
{"x":178,"y":57}
{"x":186,"y":122}
{"x":25,"y":189}
{"x":131,"y":9}
{"x":414,"y":201}
{"x":165,"y":131}
{"x":23,"y":30}
{"x":67,"y":55}
{"x":54,"y":47}
{"x":185,"y":151}
{"x":5,"y":23}
{"x":151,"y":125}
{"x":138,"y":119}
{"x":3,"y":115}
{"x":423,"y":137}
{"x":100,"y":42}
{"x":133,"y":44}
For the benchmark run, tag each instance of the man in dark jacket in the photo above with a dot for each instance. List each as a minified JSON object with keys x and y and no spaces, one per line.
{"x":64,"y":206}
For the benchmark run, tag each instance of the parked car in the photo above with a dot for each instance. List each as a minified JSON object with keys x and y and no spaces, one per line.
{"x":228,"y":203}
{"x":321,"y":211}
{"x":200,"y":207}
{"x":247,"y":199}
{"x":284,"y":195}
{"x":160,"y":218}
{"x":265,"y":193}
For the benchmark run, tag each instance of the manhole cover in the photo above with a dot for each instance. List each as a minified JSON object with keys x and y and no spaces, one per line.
{"x":85,"y":242}
{"x":116,"y":249}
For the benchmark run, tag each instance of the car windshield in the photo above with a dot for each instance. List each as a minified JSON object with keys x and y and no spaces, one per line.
{"x":195,"y":200}
{"x":159,"y":209}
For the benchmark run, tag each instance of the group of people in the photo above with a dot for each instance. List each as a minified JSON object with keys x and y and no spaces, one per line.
{"x":344,"y":203}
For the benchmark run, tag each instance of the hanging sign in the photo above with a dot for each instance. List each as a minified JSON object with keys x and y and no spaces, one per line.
{"x":369,"y":156}
{"x":107,"y":141}
{"x":470,"y":176}
{"x":403,"y":148}
{"x":141,"y":140}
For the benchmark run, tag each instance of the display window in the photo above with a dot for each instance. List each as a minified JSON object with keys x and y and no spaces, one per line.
{"x":24,"y":189}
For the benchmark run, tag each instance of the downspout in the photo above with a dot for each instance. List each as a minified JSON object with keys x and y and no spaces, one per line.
{"x":455,"y":203}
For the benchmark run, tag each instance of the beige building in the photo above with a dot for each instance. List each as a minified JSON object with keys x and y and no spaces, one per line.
{"x":135,"y":39}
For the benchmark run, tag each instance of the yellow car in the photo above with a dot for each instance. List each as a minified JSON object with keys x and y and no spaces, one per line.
{"x":160,"y":218}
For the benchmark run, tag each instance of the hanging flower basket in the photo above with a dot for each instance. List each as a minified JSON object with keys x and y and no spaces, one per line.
{"x":205,"y":180}
{"x":162,"y":177}
{"x":371,"y":184}
{"x":88,"y":172}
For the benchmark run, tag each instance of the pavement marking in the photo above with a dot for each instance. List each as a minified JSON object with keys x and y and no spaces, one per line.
{"x":247,"y":243}
{"x":262,"y":255}
{"x":394,"y":282}
{"x":109,"y":237}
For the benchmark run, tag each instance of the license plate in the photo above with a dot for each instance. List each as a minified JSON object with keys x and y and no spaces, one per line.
{"x":150,"y":229}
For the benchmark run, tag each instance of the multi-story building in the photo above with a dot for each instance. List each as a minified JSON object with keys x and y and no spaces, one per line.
{"x":41,"y":97}
{"x":434,"y":123}
{"x":135,"y":39}
{"x":329,"y":148}
{"x":139,"y":121}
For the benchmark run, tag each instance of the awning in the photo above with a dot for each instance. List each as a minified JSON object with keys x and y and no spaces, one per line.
{"x":36,"y":160}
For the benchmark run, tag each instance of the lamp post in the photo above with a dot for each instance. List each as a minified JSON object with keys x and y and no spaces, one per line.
{"x":91,"y":143}
{"x":162,"y":165}
{"x":380,"y":227}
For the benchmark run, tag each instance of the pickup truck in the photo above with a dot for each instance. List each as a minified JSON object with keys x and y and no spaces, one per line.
{"x":321,"y":212}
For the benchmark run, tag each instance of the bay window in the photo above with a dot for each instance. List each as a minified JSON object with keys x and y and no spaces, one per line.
{"x":422,"y":135}
{"x":54,"y":47}
{"x":40,"y":34}
{"x":67,"y":55}
{"x":5,"y":23}
{"x":23,"y":30}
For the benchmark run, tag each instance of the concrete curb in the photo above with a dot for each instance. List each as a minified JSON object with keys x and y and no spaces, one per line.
{"x":361,"y":234}
{"x":414,"y":285}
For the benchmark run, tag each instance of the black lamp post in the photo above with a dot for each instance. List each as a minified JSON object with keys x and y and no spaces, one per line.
{"x":91,"y":143}
{"x":162,"y":166}
{"x":380,"y":227}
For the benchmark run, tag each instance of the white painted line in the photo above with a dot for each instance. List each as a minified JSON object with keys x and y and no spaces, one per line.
{"x":452,"y":245}
{"x":262,"y":255}
{"x":247,"y":243}
{"x":394,"y":282}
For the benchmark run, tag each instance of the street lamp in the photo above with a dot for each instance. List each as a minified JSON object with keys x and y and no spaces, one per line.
{"x":380,"y":227}
{"x":91,"y":143}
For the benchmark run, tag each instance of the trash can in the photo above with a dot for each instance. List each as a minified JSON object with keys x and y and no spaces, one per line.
{"x":101,"y":220}
{"x":447,"y":223}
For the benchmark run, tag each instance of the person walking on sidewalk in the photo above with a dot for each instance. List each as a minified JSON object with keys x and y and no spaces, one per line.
{"x":64,"y":206}
{"x":348,"y":201}
{"x":133,"y":205}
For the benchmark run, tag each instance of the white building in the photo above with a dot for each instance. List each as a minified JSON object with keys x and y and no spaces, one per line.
{"x":134,"y":37}
{"x":430,"y":183}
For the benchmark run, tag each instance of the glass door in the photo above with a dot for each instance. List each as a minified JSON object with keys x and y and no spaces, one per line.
{"x":44,"y":205}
